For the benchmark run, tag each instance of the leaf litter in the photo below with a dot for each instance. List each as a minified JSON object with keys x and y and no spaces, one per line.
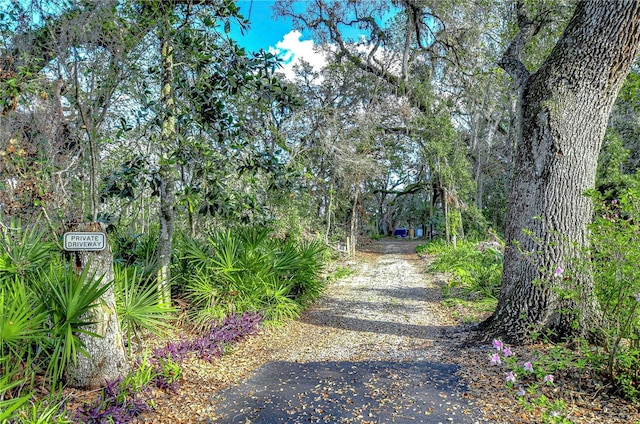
{"x":378,"y":347}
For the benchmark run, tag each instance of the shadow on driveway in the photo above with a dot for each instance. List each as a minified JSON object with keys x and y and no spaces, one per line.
{"x":347,"y":392}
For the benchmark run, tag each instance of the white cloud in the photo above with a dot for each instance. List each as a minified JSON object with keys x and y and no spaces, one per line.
{"x":291,"y":50}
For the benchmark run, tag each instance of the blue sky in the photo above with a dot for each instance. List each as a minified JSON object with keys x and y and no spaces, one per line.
{"x":275,"y":34}
{"x":265,"y":30}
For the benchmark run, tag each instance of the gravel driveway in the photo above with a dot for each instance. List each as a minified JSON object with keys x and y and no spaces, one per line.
{"x":374,"y":349}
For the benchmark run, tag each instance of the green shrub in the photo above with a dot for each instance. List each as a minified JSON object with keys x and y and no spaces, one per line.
{"x":475,"y":269}
{"x":140,"y":250}
{"x":23,"y":249}
{"x":26,"y":324}
{"x":615,"y":252}
{"x":68,"y":298}
{"x":24,"y":319}
{"x":248,"y":270}
{"x":8,"y":406}
{"x":138,"y":304}
{"x":49,"y":410}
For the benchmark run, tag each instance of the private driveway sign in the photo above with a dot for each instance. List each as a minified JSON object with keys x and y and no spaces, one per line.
{"x":84,"y":241}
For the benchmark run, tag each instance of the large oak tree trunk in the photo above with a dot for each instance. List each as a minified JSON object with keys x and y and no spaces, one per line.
{"x":564,"y":109}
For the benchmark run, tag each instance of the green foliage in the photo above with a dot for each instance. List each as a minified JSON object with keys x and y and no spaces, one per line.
{"x":141,"y":375}
{"x":474,"y":222}
{"x":468,"y":311}
{"x":23,"y":249}
{"x":249,"y":270}
{"x":168,"y":371}
{"x":44,"y":411}
{"x":475,"y":269}
{"x":27,"y":331}
{"x":627,"y":372}
{"x":528,"y":377}
{"x":342,"y":272}
{"x":612,"y":157}
{"x":140,"y":250}
{"x":138,"y":304}
{"x":615,"y":251}
{"x":69,"y":297}
{"x":22,"y":319}
{"x":10,"y":405}
{"x":442,"y":149}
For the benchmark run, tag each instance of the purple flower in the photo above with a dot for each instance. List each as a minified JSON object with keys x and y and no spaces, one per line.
{"x":548,"y":378}
{"x":495,"y":359}
{"x":511,"y":377}
{"x":520,"y":391}
{"x":528,"y":367}
{"x":559,"y":272}
{"x":637,"y":297}
{"x":497,"y":344}
{"x":507,"y":352}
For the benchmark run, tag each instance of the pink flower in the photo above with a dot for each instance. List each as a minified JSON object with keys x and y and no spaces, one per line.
{"x":495,"y":359}
{"x":497,"y":344}
{"x":511,"y":377}
{"x":559,"y":272}
{"x":528,"y":367}
{"x":507,"y":352}
{"x":548,"y":378}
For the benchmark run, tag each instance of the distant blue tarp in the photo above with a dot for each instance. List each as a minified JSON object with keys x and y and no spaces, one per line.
{"x":401,"y":232}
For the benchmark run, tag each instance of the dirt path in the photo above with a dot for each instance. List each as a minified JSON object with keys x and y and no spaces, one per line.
{"x":375,"y":349}
{"x":378,"y":348}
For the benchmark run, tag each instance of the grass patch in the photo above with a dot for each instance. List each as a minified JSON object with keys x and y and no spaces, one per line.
{"x":473,"y":272}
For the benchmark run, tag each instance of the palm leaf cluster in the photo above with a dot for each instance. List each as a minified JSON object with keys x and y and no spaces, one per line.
{"x":249,"y":270}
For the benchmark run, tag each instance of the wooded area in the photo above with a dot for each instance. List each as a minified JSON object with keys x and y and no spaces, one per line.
{"x":212,"y":173}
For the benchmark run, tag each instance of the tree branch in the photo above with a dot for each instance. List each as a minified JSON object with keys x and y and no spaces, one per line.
{"x":411,"y":189}
{"x":510,"y":60}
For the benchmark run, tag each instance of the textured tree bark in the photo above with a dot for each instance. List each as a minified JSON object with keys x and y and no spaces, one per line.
{"x":564,"y":109}
{"x":107,"y":358}
{"x":166,"y":212}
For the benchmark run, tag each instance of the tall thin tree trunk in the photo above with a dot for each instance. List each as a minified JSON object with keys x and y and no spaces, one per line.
{"x":166,"y":171}
{"x":445,"y":212}
{"x":354,"y":222}
{"x":329,"y":208}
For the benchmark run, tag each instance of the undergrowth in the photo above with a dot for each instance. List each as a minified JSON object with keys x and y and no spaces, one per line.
{"x":248,"y":270}
{"x":212,"y":344}
{"x":233,"y":280}
{"x":123,"y":400}
{"x":474,"y":269}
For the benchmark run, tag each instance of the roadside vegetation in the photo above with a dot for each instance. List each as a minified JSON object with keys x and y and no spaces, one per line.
{"x":227,"y":284}
{"x":226,"y":178}
{"x":472,"y":272}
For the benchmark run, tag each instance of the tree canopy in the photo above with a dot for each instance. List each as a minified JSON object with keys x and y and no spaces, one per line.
{"x":150,"y":117}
